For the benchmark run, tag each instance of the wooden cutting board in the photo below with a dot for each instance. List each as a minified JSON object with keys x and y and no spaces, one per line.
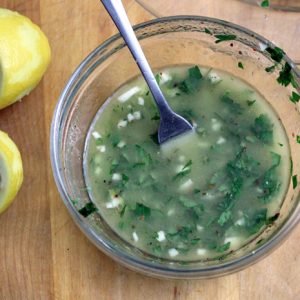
{"x":43,"y":255}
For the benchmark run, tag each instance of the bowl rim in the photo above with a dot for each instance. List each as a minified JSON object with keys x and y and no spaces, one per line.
{"x":131,"y":261}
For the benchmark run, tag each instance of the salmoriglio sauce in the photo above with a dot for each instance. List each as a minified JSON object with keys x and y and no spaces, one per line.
{"x":200,"y":196}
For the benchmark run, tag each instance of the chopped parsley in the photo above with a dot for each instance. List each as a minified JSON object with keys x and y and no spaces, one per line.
{"x":88,"y":209}
{"x":250,"y":102}
{"x":115,"y":139}
{"x":206,"y":30}
{"x":154,"y":138}
{"x":269,"y":183}
{"x":122,"y":212}
{"x":276,"y":53}
{"x":295,"y":181}
{"x":155,"y":117}
{"x":263,"y":129}
{"x":265,"y":3}
{"x":223,"y":248}
{"x":234,"y":107}
{"x":224,"y":37}
{"x":285,"y":75}
{"x":142,"y":211}
{"x":255,"y":220}
{"x":298,"y":139}
{"x":270,"y":69}
{"x":184,"y":171}
{"x":295,"y":97}
{"x":224,"y":217}
{"x":192,"y":83}
{"x":188,"y":201}
{"x":240,"y":65}
{"x":158,"y":78}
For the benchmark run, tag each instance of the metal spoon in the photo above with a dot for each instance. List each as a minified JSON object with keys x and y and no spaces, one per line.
{"x":171,"y":124}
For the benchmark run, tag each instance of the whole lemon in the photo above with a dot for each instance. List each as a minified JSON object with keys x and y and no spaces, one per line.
{"x":24,"y":56}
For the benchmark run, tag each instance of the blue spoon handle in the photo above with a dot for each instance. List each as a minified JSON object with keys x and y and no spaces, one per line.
{"x":118,"y":14}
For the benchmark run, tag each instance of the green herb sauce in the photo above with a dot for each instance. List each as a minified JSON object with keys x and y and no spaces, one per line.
{"x":202,"y":195}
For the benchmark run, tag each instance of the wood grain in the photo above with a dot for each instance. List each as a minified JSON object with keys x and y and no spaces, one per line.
{"x":43,"y":254}
{"x":282,"y":28}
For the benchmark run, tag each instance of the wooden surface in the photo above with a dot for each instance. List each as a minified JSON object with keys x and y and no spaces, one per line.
{"x":43,"y":255}
{"x":282,"y":28}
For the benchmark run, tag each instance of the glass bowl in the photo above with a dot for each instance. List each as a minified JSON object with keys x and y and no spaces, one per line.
{"x":166,"y":42}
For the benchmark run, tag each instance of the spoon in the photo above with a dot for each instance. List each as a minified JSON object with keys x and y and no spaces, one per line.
{"x":171,"y":124}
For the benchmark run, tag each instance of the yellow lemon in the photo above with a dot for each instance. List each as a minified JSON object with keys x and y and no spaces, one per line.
{"x":24,"y":56}
{"x":11,"y":171}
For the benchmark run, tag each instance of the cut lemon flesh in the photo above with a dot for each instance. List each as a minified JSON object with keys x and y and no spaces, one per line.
{"x":24,"y":56}
{"x":11,"y":171}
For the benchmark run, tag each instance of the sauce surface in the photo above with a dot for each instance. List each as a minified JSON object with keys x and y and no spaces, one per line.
{"x":203,"y":194}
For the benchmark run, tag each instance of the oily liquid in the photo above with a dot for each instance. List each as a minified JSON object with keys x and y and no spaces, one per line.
{"x":201,"y":195}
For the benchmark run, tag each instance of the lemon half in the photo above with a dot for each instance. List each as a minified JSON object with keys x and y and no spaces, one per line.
{"x":24,"y":56}
{"x":11,"y":171}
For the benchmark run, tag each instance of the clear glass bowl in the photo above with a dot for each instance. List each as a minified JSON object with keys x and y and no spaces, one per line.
{"x":166,"y":42}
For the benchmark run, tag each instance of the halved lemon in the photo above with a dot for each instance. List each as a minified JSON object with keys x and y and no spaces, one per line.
{"x":11,"y":171}
{"x":24,"y":56}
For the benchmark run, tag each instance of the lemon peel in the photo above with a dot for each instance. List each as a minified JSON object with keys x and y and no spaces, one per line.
{"x":11,"y":171}
{"x":24,"y":56}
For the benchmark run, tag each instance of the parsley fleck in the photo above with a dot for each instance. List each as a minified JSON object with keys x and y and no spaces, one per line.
{"x":187,"y":202}
{"x":265,"y":3}
{"x":295,"y":97}
{"x":270,"y":69}
{"x":298,"y":139}
{"x":115,"y":139}
{"x":224,"y":217}
{"x":74,"y":201}
{"x":197,"y":191}
{"x":223,"y":248}
{"x":154,"y":138}
{"x":184,"y":171}
{"x":256,"y":220}
{"x":125,"y":178}
{"x":240,"y":65}
{"x":276,"y":158}
{"x":281,"y":145}
{"x":142,"y":211}
{"x":263,"y":129}
{"x":276,"y":53}
{"x":122,"y":212}
{"x":88,"y":209}
{"x":250,"y":102}
{"x":114,"y":166}
{"x":158,"y":78}
{"x":206,"y":30}
{"x":295,"y":181}
{"x":143,"y":155}
{"x":224,"y":37}
{"x":285,"y":75}
{"x":99,"y":141}
{"x":192,"y":82}
{"x":155,"y":117}
{"x":236,"y":108}
{"x":268,"y":182}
